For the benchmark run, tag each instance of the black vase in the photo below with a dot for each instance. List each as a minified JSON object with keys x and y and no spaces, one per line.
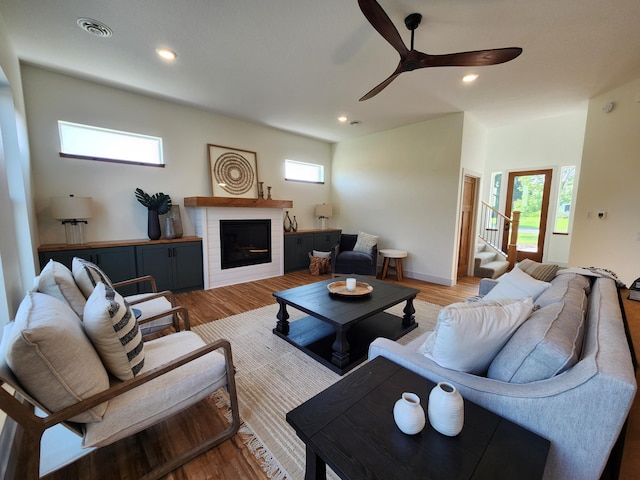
{"x":153,"y":225}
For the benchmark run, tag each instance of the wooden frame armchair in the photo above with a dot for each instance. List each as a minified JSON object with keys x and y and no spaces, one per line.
{"x":180,"y":370}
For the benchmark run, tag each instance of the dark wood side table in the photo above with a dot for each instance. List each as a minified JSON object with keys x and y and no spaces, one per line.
{"x":350,"y":427}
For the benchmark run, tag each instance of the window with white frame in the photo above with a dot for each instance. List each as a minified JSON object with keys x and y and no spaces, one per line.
{"x":96,"y":143}
{"x":303,"y":172}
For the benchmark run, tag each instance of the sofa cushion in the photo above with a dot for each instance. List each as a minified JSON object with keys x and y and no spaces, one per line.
{"x":547,"y":344}
{"x":87,"y":275}
{"x":112,"y":328}
{"x":545,"y":272}
{"x":518,"y":285}
{"x":53,"y":359}
{"x":468,"y":335}
{"x":565,"y":288}
{"x":57,"y":280}
{"x":365,"y":243}
{"x":354,"y":260}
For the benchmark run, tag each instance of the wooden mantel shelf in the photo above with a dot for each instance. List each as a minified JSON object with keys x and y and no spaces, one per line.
{"x":236,"y":202}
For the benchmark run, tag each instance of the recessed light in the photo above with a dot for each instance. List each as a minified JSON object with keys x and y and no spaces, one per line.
{"x":342,"y":119}
{"x":166,"y":54}
{"x":470,"y":78}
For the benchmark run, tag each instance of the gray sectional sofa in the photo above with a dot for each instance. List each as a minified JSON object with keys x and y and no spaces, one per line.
{"x":566,"y":373}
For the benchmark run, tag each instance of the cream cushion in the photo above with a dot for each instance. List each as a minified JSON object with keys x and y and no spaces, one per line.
{"x":148,"y":309}
{"x":87,"y":275}
{"x":57,"y":280}
{"x":365,"y":243}
{"x":112,"y":328}
{"x":52,"y":358}
{"x":468,"y":336}
{"x":149,"y":403}
{"x":518,"y":285}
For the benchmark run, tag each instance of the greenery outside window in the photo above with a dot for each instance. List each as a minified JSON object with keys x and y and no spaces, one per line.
{"x":95,"y":143}
{"x":565,"y":199}
{"x":303,"y":172}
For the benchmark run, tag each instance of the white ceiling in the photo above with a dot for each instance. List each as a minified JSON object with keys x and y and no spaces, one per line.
{"x":299,"y":64}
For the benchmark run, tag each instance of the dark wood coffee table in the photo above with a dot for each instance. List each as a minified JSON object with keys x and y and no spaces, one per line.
{"x":350,"y":427}
{"x":339,"y":330}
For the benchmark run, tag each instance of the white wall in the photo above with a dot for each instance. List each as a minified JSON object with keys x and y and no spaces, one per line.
{"x":610,"y":180}
{"x":17,"y":257}
{"x":185,"y":130}
{"x":403,"y":185}
{"x":542,"y":143}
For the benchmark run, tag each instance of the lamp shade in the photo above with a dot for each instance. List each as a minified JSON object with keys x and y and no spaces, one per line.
{"x":324,"y":210}
{"x":70,"y":208}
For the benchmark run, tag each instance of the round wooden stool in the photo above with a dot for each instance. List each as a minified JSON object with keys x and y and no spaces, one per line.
{"x":396,"y":255}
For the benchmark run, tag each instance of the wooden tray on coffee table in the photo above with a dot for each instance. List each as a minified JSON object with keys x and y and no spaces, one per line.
{"x":340,"y":288}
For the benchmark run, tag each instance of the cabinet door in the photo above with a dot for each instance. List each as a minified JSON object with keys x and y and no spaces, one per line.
{"x":324,"y":241}
{"x":64,"y":256}
{"x":296,"y":251}
{"x":187,"y":260}
{"x":156,"y":260}
{"x":119,"y":263}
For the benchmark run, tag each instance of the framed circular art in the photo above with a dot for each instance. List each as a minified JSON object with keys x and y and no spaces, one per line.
{"x":234,"y":172}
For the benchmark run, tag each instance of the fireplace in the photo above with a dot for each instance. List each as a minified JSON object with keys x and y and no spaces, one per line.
{"x":244,"y":242}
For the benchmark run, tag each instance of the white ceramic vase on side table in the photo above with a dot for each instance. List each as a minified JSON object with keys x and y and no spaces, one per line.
{"x":409,"y":414}
{"x":446,"y":409}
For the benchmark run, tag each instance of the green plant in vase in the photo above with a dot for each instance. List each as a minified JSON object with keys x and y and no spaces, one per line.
{"x":157,"y":204}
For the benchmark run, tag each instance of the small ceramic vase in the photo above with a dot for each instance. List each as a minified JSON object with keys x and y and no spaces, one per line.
{"x":446,"y":409}
{"x":294,"y":224}
{"x":169,"y":231}
{"x":287,"y":222}
{"x":408,"y":414}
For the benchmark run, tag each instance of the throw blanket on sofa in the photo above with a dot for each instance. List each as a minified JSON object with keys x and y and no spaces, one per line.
{"x":594,"y":272}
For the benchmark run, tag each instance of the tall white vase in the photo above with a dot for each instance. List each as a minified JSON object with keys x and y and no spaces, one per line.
{"x":409,"y":414}
{"x":446,"y":409}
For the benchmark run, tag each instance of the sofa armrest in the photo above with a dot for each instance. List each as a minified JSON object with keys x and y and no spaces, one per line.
{"x":486,"y":284}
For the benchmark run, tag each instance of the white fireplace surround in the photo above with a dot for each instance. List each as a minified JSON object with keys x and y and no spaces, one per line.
{"x":206,"y":222}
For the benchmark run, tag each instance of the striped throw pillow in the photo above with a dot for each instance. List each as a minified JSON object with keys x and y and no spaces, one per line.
{"x":545,"y":272}
{"x":113,"y":329}
{"x":87,"y":275}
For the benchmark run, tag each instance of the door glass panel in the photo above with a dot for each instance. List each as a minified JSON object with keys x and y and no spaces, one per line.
{"x":527,"y":198}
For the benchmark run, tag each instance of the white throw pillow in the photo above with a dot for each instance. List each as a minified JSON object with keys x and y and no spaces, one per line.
{"x":53,"y":359}
{"x":113,"y":329}
{"x":517,"y":284}
{"x":87,"y":275}
{"x":469,"y":335}
{"x":57,"y":280}
{"x":365,"y":242}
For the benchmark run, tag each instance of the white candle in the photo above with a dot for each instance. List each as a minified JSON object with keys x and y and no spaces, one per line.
{"x":351,"y":284}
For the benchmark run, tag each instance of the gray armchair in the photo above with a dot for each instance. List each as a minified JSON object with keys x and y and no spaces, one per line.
{"x":344,"y":260}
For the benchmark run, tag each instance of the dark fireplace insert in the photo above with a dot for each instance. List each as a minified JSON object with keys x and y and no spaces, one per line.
{"x":245,"y":242}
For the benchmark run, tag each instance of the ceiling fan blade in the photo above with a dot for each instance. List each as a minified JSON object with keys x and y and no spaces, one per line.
{"x":377,"y":89}
{"x":383,"y":24}
{"x":476,"y":58}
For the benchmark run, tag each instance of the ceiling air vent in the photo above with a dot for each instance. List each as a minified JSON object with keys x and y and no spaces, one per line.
{"x":94,"y":27}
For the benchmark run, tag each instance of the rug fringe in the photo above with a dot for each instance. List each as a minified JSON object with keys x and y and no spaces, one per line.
{"x":269,"y":464}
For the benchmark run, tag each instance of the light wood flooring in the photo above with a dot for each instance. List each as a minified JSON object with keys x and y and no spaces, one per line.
{"x":130,"y":458}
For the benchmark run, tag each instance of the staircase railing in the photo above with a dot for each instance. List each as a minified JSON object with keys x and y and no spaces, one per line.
{"x":493,"y":224}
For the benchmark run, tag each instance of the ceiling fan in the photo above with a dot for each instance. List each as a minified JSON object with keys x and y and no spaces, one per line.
{"x":411,"y":59}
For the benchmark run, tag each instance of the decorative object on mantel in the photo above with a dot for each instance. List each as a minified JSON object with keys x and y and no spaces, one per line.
{"x":324,"y":212}
{"x":287,"y":224}
{"x":268,"y":193}
{"x":260,"y":189}
{"x":446,"y":409}
{"x":73,"y":212}
{"x":234,"y":172}
{"x":157,"y":204}
{"x":409,"y":414}
{"x":294,"y":224}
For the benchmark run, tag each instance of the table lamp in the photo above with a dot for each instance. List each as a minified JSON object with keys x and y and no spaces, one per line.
{"x":324,"y":212}
{"x":72,"y":212}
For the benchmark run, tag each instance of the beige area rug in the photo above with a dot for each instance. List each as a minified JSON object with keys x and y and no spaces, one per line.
{"x":273,"y":377}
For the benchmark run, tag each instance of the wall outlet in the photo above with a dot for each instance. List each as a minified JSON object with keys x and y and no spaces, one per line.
{"x":602,"y":214}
